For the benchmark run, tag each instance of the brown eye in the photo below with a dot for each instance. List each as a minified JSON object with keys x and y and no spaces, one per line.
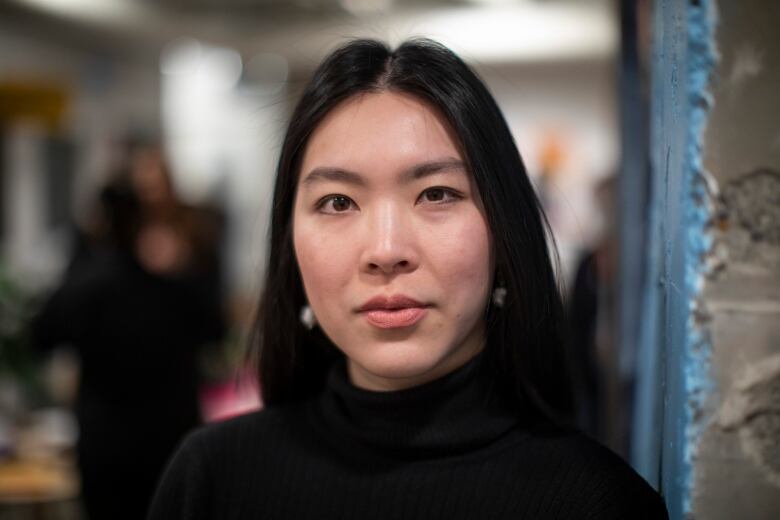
{"x":335,"y":204}
{"x":340,"y":203}
{"x":439,"y":196}
{"x":434,"y":195}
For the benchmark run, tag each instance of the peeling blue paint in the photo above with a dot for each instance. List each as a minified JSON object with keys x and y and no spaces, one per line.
{"x":698,"y":376}
{"x":684,"y":57}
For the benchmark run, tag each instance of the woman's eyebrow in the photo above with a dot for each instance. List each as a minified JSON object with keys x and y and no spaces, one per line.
{"x":418,"y":171}
{"x":438,"y":166}
{"x":328,"y":173}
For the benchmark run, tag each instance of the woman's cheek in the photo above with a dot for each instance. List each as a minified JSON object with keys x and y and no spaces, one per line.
{"x":324,"y":263}
{"x":465,"y":251}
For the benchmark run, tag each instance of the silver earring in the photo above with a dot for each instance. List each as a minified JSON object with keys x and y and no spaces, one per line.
{"x":499,"y":295}
{"x":307,"y":317}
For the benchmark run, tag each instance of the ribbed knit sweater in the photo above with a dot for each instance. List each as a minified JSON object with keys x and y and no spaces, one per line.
{"x":449,"y":449}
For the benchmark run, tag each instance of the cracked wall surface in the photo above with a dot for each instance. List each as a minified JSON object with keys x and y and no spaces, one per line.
{"x":737,"y":463}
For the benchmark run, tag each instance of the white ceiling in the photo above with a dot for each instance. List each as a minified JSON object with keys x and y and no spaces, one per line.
{"x":302,"y":31}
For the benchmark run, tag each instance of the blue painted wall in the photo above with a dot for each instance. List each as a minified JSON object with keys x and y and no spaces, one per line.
{"x":673,"y":369}
{"x":633,"y":198}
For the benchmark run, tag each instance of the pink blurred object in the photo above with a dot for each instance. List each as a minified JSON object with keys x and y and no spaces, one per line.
{"x":231,"y":398}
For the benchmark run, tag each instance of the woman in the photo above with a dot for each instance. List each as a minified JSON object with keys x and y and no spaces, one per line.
{"x":425,"y":377}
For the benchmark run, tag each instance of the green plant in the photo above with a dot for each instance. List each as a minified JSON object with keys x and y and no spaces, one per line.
{"x":18,"y":361}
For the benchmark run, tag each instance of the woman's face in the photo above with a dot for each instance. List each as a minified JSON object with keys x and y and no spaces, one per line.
{"x":392,"y":241}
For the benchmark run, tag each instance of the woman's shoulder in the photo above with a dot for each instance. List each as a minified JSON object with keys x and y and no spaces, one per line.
{"x":595,"y":478}
{"x":573,"y":446}
{"x":216,"y":456}
{"x":240,"y":433}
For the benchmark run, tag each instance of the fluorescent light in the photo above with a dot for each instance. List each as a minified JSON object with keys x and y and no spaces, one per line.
{"x":209,"y":67}
{"x":541,"y":33}
{"x":97,"y":11}
{"x":521,"y":32}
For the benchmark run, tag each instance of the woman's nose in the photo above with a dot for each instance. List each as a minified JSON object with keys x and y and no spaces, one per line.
{"x":389,"y":242}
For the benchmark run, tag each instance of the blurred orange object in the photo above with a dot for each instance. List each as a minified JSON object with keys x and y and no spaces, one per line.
{"x":31,"y":481}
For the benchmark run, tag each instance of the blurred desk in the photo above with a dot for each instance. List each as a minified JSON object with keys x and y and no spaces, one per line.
{"x":45,"y":489}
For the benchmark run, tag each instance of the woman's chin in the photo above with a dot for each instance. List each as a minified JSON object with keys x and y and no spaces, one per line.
{"x":397,"y":367}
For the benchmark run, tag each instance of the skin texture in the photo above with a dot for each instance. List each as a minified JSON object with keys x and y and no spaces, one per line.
{"x":405,"y":220}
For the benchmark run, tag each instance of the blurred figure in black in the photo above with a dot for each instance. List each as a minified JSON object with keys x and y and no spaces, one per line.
{"x":602,"y":389}
{"x":140,"y":297}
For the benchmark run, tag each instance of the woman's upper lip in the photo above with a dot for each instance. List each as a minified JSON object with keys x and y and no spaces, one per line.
{"x":397,"y":301}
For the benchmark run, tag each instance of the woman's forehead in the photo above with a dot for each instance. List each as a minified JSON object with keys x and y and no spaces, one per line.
{"x":371,"y":129}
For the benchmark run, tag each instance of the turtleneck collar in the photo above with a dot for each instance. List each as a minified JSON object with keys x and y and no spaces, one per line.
{"x":454,"y":414}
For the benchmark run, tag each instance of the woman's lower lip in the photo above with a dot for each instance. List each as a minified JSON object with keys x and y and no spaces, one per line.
{"x":396,"y":318}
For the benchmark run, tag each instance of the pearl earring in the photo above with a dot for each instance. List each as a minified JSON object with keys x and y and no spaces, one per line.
{"x":307,"y":317}
{"x":499,"y":295}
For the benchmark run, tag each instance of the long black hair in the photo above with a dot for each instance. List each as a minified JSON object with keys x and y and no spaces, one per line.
{"x":524,"y":344}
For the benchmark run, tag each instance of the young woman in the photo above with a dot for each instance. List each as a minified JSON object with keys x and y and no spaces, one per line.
{"x":409,"y":332}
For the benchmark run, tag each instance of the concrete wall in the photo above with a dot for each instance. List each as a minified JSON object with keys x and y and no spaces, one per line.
{"x":737,"y":467}
{"x":713,"y":288}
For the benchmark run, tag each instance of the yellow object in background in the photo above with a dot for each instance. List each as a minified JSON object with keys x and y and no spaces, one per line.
{"x":37,"y":480}
{"x":38,"y":101}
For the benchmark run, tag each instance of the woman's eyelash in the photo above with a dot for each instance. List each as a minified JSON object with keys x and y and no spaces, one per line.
{"x":441,"y":195}
{"x":337,"y":203}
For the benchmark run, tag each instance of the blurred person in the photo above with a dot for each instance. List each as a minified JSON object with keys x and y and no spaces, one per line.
{"x":410,"y":330}
{"x":603,"y":392}
{"x":139,"y":300}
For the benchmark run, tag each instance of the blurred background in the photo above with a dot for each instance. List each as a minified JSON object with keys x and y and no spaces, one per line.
{"x":138,"y":140}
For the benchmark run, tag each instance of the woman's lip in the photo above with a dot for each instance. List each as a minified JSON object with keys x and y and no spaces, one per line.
{"x":392,"y":303}
{"x":395,"y":318}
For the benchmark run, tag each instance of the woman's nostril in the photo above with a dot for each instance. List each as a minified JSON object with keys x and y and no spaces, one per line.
{"x":388,"y":267}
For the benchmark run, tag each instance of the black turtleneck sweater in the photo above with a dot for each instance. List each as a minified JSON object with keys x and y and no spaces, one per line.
{"x":448,"y":449}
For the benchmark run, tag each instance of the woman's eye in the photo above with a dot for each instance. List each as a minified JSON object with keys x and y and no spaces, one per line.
{"x":439,"y":195}
{"x":335,"y":204}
